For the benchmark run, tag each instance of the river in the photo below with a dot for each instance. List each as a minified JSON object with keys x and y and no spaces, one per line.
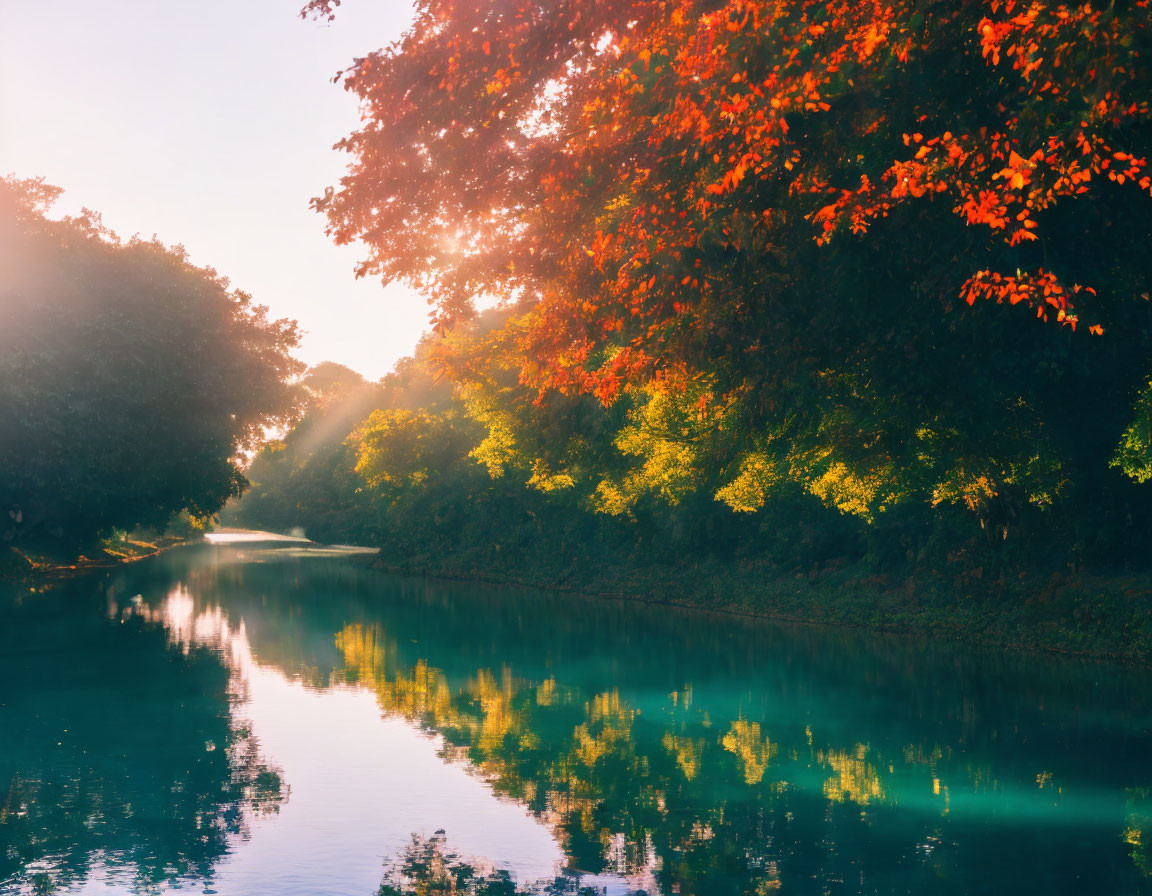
{"x":277,"y":718}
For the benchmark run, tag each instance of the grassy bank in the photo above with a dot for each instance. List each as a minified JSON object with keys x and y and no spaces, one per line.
{"x":1098,"y":616}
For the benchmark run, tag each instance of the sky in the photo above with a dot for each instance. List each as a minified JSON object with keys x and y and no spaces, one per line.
{"x":210,"y":124}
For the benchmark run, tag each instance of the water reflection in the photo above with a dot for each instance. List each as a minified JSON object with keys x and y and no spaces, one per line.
{"x":698,"y":797}
{"x":617,"y":746}
{"x":120,"y":755}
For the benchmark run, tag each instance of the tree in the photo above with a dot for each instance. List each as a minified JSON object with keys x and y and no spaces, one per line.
{"x":778,"y":233}
{"x":131,"y":381}
{"x":614,"y":160}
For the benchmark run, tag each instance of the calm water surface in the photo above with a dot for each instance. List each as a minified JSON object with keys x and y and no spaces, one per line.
{"x":278,"y":719}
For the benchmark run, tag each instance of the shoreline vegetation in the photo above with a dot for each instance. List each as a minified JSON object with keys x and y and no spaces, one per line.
{"x":1098,"y":617}
{"x":403,"y":466}
{"x":17,"y":565}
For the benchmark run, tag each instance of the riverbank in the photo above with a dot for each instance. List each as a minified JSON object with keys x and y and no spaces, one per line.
{"x":19,"y":565}
{"x":1101,"y":616}
{"x":1098,"y":616}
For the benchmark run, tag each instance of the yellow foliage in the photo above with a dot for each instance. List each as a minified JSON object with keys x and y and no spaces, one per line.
{"x":391,"y":446}
{"x":860,"y":493}
{"x":496,"y":451}
{"x":1134,"y":453}
{"x":667,"y":434}
{"x":612,"y":500}
{"x":749,"y":490}
{"x":668,"y":465}
{"x":545,"y":481}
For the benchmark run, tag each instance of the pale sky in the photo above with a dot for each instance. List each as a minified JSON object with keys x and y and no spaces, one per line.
{"x":209,"y":123}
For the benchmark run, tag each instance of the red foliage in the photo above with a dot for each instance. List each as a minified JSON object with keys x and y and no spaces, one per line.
{"x":604,"y":161}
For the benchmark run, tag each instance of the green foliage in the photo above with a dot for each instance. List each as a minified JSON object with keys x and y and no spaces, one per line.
{"x":130,"y":380}
{"x":1134,"y":454}
{"x":453,"y":464}
{"x":186,"y":524}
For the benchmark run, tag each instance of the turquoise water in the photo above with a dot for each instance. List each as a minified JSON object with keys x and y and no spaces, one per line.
{"x":280,"y":719}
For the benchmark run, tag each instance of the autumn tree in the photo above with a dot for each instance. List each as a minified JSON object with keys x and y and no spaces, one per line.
{"x":780,"y":230}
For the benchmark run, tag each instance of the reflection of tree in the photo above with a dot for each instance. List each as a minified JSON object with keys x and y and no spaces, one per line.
{"x":623,"y":795}
{"x":754,"y":752}
{"x":853,"y":779}
{"x":700,"y":802}
{"x":118,"y":750}
{"x":428,"y":868}
{"x":1138,"y":833}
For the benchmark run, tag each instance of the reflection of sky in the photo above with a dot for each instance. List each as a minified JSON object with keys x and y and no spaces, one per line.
{"x":360,"y":785}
